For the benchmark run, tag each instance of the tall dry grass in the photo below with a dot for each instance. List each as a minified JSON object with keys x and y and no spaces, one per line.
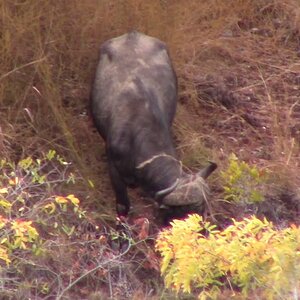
{"x":48,"y":55}
{"x":49,"y":51}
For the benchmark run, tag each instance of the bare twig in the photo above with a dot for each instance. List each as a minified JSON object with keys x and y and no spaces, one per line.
{"x":101,"y":265}
{"x":22,"y":67}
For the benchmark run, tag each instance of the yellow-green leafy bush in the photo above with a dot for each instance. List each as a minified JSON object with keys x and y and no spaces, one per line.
{"x":250,"y":256}
{"x":242,"y":182}
{"x":16,"y":235}
{"x":28,"y":201}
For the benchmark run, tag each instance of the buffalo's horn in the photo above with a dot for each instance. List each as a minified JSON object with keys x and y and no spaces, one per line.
{"x":205,"y":172}
{"x":167,"y":191}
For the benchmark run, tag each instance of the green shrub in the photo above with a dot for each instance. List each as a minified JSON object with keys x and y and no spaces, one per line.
{"x":250,"y":257}
{"x":242,"y":182}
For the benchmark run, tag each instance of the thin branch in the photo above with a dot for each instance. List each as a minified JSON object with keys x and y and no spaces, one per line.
{"x":22,"y":67}
{"x":59,"y":297}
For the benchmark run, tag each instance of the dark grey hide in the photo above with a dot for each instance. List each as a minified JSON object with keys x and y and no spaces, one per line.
{"x":133,"y":103}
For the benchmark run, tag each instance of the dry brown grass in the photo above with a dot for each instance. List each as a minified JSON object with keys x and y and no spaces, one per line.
{"x":238,"y":69}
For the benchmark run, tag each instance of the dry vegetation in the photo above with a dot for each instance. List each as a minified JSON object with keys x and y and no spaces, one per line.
{"x":239,"y":79}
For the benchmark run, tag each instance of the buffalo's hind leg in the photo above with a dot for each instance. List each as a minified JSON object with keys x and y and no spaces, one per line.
{"x":122,"y":200}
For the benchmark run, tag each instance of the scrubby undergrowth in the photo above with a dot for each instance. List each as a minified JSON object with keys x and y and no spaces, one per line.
{"x":250,"y":258}
{"x":239,"y":86}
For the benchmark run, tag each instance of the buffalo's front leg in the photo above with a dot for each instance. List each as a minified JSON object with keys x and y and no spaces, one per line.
{"x":122,"y":200}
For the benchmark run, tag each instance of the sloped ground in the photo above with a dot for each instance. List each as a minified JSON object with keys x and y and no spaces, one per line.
{"x":250,"y":106}
{"x":239,"y":85}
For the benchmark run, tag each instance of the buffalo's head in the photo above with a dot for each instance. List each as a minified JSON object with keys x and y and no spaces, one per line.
{"x":188,"y":194}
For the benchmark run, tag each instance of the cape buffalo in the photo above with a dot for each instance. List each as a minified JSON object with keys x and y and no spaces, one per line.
{"x":133,"y":103}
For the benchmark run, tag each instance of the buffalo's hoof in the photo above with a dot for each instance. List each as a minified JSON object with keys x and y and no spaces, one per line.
{"x":122,"y":210}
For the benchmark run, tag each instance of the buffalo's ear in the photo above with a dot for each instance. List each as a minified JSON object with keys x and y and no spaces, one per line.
{"x":205,"y":172}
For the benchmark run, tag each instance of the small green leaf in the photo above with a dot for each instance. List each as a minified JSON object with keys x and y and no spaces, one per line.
{"x":91,"y":184}
{"x":51,"y":154}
